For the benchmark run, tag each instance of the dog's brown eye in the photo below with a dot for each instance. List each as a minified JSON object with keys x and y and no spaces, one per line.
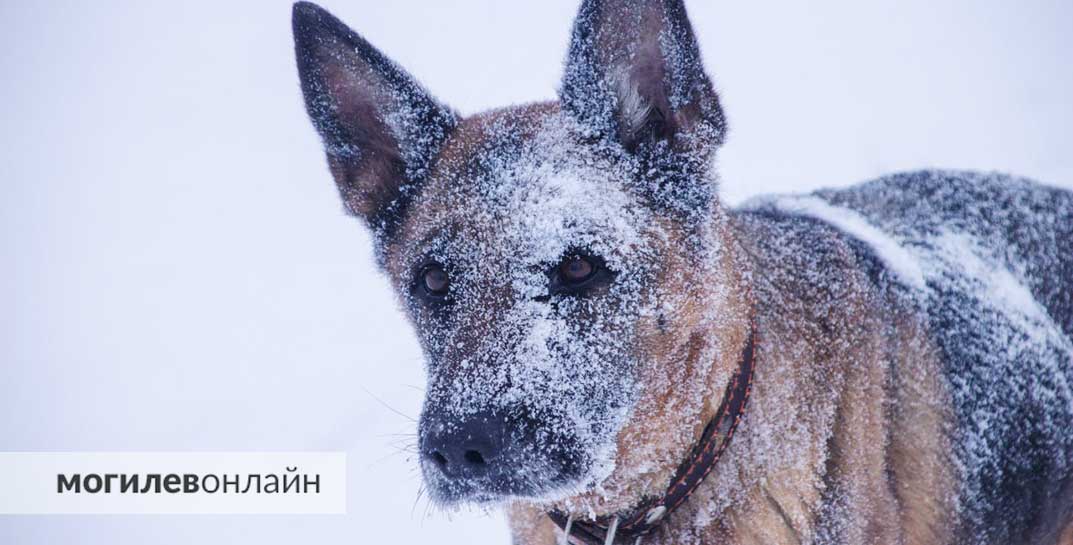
{"x":435,"y":280}
{"x":577,"y":275}
{"x":576,"y":269}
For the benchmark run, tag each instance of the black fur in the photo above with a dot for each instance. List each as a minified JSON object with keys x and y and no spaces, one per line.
{"x":651,"y":44}
{"x":646,"y":49}
{"x":351,"y":90}
{"x":1014,"y":494}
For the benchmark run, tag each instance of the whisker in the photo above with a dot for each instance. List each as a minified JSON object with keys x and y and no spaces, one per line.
{"x":420,"y":493}
{"x":428,"y":506}
{"x":389,"y":407}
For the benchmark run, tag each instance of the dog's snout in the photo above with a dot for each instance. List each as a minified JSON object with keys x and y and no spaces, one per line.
{"x":469,"y":448}
{"x":492,"y":454}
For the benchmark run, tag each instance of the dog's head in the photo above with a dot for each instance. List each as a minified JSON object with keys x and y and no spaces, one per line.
{"x":551,"y":257}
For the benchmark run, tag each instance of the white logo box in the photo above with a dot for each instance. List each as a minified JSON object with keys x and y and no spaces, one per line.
{"x":124,"y":483}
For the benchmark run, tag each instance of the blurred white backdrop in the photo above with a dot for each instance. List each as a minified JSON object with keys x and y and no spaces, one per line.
{"x":178,"y":274}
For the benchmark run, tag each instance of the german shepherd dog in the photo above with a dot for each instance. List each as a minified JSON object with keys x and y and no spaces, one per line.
{"x":615,"y":357}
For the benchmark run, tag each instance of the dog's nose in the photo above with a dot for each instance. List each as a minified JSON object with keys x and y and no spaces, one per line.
{"x":467,"y":448}
{"x":491,"y":454}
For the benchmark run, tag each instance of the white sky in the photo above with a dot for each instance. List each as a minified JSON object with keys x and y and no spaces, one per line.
{"x":178,"y":273}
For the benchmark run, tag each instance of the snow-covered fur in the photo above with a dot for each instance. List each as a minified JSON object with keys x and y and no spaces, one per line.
{"x":582,"y":299}
{"x":984,"y":263}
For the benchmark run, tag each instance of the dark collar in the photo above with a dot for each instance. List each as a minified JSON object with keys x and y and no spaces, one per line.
{"x":630,"y":527}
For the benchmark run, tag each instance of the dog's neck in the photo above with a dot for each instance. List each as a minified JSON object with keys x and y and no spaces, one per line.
{"x":642,"y":520}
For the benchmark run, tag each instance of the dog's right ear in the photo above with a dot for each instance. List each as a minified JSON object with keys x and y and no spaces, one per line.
{"x":634,"y":74}
{"x":381,"y":129}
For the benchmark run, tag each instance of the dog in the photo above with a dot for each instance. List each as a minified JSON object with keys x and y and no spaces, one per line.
{"x":616,"y":357}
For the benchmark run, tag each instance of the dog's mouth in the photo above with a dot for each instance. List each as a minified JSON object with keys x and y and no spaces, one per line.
{"x":503,"y":484}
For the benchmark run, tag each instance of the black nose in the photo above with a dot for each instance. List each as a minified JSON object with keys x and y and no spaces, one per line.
{"x":467,"y":448}
{"x":487,"y":455}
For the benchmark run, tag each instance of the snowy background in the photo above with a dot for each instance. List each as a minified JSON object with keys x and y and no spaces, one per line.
{"x":177,"y":272}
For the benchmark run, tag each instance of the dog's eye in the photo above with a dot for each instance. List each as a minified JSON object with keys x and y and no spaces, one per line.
{"x":577,"y":274}
{"x":576,"y":270}
{"x":434,"y":280}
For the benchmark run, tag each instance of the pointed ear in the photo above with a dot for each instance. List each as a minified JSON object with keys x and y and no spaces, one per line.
{"x":634,"y":74}
{"x":381,"y":130}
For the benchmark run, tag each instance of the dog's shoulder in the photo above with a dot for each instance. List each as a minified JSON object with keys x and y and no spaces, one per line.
{"x":987,"y":261}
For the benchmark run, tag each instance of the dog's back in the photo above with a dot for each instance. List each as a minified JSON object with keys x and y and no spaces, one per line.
{"x":988,"y":262}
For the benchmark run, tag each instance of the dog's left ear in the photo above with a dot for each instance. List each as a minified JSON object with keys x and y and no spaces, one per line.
{"x":381,"y":129}
{"x":634,"y":74}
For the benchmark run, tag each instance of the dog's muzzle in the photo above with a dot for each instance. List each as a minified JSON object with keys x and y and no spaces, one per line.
{"x":485,"y":456}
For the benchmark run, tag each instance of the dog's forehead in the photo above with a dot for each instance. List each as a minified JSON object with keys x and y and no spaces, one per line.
{"x":521,"y":184}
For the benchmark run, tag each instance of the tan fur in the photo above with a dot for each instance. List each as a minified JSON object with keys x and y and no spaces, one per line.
{"x":676,"y":354}
{"x":1067,"y":535}
{"x":456,"y":150}
{"x":879,"y":436}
